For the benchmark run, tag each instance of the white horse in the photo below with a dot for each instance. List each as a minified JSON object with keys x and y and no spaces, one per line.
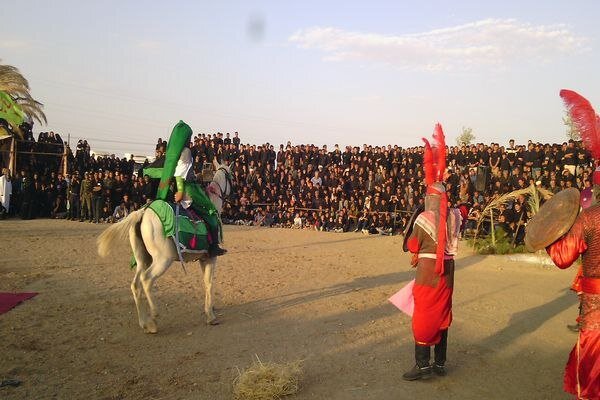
{"x":154,"y":253}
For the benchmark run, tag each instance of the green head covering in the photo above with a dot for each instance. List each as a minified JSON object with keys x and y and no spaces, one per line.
{"x":180,"y":138}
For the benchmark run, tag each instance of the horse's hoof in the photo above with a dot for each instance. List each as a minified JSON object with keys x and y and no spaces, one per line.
{"x":150,"y":327}
{"x":213,"y":321}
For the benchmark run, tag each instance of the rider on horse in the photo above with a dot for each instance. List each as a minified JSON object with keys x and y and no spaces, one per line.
{"x":179,"y":164}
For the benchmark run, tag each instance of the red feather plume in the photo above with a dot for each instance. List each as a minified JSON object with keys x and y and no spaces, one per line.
{"x":434,"y":164}
{"x":438,"y":135}
{"x":585,"y":119}
{"x":428,"y":163}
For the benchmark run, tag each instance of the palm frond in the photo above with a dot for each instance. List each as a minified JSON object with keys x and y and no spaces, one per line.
{"x":11,"y":80}
{"x":33,"y":108}
{"x":533,"y":193}
{"x":13,"y":83}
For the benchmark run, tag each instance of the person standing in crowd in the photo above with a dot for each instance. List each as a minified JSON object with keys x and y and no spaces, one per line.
{"x":85,"y":195}
{"x":97,"y":197}
{"x":27,"y":196}
{"x":5,"y":191}
{"x":73,"y":196}
{"x":570,"y":157}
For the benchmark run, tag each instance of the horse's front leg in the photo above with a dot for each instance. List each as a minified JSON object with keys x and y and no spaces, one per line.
{"x":208,"y":268}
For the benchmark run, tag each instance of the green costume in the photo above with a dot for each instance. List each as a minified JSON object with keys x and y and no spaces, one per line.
{"x":179,"y":140}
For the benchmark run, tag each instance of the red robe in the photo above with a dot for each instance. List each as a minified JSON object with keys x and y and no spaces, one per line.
{"x":582,"y":373}
{"x":432,"y":292}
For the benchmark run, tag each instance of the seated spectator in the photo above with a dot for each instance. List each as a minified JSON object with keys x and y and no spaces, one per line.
{"x":121,"y":211}
{"x":59,"y":209}
{"x":297,"y":222}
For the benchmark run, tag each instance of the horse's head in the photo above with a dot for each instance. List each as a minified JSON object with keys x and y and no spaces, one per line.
{"x":223,"y":179}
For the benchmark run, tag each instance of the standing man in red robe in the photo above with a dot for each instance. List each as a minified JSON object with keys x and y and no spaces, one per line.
{"x":434,"y":243}
{"x":582,"y":373}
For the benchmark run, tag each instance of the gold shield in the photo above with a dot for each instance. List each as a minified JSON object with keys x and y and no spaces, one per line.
{"x":555,"y":217}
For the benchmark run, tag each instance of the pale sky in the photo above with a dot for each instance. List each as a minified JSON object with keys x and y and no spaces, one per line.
{"x":122,"y":73}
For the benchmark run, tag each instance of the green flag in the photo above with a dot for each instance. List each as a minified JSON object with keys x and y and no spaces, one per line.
{"x":10,"y":111}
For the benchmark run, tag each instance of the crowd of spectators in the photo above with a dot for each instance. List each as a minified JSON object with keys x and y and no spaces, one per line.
{"x":371,"y":189}
{"x":375,"y":189}
{"x":93,"y":188}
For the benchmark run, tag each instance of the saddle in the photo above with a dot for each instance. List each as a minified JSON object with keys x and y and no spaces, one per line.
{"x":187,"y":229}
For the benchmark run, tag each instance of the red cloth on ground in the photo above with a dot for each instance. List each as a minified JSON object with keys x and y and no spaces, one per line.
{"x":582,"y":374}
{"x":433,"y":312}
{"x":10,"y":300}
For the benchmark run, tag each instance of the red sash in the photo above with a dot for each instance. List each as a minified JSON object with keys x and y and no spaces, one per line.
{"x":590,"y":285}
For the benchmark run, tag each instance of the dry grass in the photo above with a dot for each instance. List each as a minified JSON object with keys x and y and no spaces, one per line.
{"x":533,"y":193}
{"x":267,"y":381}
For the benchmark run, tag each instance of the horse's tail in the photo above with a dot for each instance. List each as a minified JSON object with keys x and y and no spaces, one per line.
{"x":116,"y":232}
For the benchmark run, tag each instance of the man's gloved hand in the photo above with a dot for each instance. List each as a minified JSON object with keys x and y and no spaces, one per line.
{"x":178,"y":197}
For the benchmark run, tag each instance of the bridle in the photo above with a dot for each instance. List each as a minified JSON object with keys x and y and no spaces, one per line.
{"x":226,"y":191}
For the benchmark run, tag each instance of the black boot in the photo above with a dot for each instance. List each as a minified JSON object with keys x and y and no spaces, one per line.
{"x":422,"y":369}
{"x":440,"y":354}
{"x":213,"y":248}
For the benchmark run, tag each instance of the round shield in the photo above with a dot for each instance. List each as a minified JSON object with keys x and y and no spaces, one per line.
{"x":409,"y":226}
{"x":555,"y":217}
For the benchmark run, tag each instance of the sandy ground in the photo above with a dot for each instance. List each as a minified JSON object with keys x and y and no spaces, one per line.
{"x":282,"y":295}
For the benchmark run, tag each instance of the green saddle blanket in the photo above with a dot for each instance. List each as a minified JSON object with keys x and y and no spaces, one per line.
{"x":192,"y":235}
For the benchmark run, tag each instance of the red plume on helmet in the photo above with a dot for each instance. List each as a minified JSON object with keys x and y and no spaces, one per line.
{"x":434,"y":164}
{"x":440,"y":140}
{"x":585,"y":119}
{"x":588,"y":124}
{"x":434,"y":158}
{"x":428,"y":164}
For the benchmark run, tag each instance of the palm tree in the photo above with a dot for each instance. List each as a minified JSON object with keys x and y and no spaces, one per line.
{"x":14,"y":84}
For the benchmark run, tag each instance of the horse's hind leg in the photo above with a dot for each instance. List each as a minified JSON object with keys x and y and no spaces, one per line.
{"x":136,"y":289}
{"x":158,"y":267}
{"x":142,"y":260}
{"x":208,"y":267}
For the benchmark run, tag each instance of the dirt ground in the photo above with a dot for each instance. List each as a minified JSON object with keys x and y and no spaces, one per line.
{"x":282,"y":295}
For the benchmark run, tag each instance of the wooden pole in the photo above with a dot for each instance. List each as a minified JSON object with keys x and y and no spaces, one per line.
{"x":12,"y":160}
{"x":517,"y":230}
{"x":65,"y":161}
{"x":492,"y":227}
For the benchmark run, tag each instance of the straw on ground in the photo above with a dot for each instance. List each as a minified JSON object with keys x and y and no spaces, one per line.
{"x":267,"y":381}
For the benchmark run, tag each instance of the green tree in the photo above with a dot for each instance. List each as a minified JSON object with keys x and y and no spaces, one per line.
{"x":466,"y":136}
{"x":572,"y":130}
